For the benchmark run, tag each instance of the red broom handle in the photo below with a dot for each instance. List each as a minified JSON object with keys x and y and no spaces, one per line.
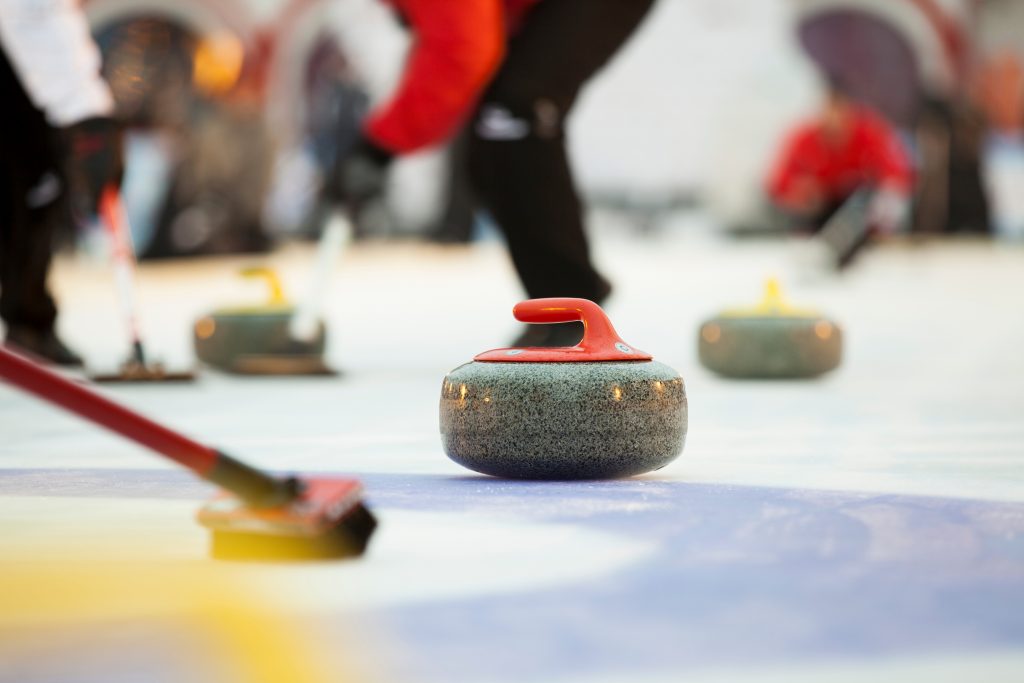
{"x":90,"y":405}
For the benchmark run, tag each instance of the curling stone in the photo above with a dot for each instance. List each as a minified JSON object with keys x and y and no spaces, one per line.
{"x":770,"y":341}
{"x":258,"y":339}
{"x":598,"y":410}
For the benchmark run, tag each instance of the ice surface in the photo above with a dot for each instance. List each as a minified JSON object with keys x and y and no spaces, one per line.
{"x":870,"y":521}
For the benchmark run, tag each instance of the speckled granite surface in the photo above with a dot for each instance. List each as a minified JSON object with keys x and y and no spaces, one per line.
{"x":770,"y":347}
{"x":563,"y":420}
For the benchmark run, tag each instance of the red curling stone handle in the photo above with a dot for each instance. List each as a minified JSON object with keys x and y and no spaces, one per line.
{"x":600,"y":340}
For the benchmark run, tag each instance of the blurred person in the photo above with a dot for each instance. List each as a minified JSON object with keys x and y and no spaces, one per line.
{"x":56,"y":110}
{"x":951,"y":196}
{"x":1000,"y":93}
{"x":843,"y":150}
{"x":513,"y":69}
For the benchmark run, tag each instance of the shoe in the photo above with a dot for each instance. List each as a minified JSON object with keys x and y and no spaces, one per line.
{"x":43,"y":344}
{"x":554,"y":335}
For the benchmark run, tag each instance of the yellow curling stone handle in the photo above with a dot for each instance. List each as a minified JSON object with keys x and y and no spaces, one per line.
{"x":772,"y":305}
{"x":206,"y":326}
{"x":276,"y":302}
{"x":276,"y":299}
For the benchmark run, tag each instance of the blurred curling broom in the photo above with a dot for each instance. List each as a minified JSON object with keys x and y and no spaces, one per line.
{"x":136,"y":368}
{"x":259,"y":516}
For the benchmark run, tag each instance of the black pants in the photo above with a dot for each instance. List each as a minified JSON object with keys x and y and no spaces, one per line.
{"x":517,"y":154}
{"x":31,"y":190}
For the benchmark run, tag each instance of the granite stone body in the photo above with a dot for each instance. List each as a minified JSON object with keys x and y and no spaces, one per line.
{"x":592,"y":420}
{"x":770,"y":347}
{"x":222,"y":338}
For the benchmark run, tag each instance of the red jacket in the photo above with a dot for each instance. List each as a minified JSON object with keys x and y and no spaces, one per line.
{"x":458,"y":45}
{"x":871,"y":154}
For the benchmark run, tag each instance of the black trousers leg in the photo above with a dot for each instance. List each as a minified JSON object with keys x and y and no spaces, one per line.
{"x":26,"y":248}
{"x":30,"y":193}
{"x":517,"y":155}
{"x":456,"y":223}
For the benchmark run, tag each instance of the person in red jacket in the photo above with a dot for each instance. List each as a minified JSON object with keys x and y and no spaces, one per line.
{"x":846,"y":148}
{"x":512,"y":69}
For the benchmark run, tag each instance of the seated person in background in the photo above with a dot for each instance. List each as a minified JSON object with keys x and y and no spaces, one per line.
{"x":844,"y":149}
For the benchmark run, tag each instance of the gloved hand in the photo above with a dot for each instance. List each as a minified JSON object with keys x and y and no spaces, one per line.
{"x":358,"y":176}
{"x":96,"y":160}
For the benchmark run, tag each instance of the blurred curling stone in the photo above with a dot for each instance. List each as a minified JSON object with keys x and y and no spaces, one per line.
{"x":277,"y":339}
{"x":598,"y":410}
{"x":257,"y":339}
{"x":770,"y":341}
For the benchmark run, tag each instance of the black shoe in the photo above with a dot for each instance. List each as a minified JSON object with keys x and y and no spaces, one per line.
{"x":43,"y":344}
{"x":554,"y":335}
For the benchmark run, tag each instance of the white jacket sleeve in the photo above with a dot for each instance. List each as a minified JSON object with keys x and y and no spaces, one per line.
{"x":50,"y":48}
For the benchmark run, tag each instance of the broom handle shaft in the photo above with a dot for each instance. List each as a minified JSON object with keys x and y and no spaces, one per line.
{"x":254,"y":486}
{"x":116,"y":219}
{"x":96,"y":408}
{"x":306,"y":320}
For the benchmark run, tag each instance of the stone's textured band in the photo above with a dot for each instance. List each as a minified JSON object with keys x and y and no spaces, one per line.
{"x":221,"y":339}
{"x":563,"y":420}
{"x":770,"y":347}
